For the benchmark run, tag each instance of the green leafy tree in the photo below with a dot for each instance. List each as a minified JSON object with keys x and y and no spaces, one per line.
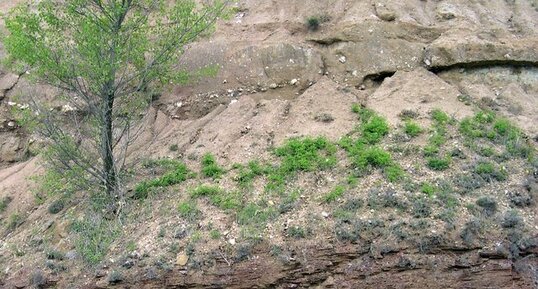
{"x":106,"y":56}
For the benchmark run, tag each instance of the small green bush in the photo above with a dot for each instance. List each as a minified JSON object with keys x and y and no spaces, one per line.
{"x":489,"y":172}
{"x":502,"y":126}
{"x":412,"y":129}
{"x":56,"y":206}
{"x":312,"y":23}
{"x":511,"y":220}
{"x":471,"y":129}
{"x":296,"y":232}
{"x":254,"y":214}
{"x":306,"y":154}
{"x":94,"y":235}
{"x":438,"y":164}
{"x":485,"y":116}
{"x":55,"y":255}
{"x":214,"y":234}
{"x":248,"y":174}
{"x":300,"y":154}
{"x":421,"y":208}
{"x":374,"y":156}
{"x":393,"y":172}
{"x":408,"y":114}
{"x":355,"y":108}
{"x":189,"y":211}
{"x":427,"y":188}
{"x":210,"y":168}
{"x":336,"y":193}
{"x":439,"y":116}
{"x":180,"y":174}
{"x":431,"y":150}
{"x":4,"y":202}
{"x":488,"y":205}
{"x":375,"y":129}
{"x":14,"y":221}
{"x":218,"y":197}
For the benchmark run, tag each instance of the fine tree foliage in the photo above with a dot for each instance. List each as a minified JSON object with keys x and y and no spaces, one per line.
{"x":105,"y":56}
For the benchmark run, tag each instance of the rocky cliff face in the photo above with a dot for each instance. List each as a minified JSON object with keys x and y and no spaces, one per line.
{"x":277,"y":79}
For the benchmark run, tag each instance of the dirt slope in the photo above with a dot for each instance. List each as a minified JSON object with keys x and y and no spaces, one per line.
{"x":278,"y":80}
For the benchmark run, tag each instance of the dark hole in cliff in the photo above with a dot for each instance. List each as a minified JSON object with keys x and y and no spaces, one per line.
{"x":375,"y":80}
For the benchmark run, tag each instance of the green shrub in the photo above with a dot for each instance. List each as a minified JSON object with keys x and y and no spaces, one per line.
{"x":438,"y":164}
{"x":180,"y":174}
{"x":375,"y":129}
{"x":431,"y":150}
{"x":301,"y":154}
{"x":55,"y":255}
{"x":412,"y":129}
{"x":336,"y":193}
{"x":312,"y":23}
{"x":306,"y":154}
{"x":502,"y":126}
{"x":95,"y":234}
{"x":4,"y":202}
{"x":355,"y":108}
{"x":393,"y":173}
{"x":437,"y":139}
{"x":218,"y":197}
{"x":214,"y":234}
{"x":421,"y":208}
{"x":486,"y":151}
{"x":210,"y":168}
{"x":488,"y":205}
{"x":165,"y":163}
{"x":173,"y":148}
{"x":408,"y":114}
{"x":189,"y":211}
{"x":374,"y":156}
{"x":205,"y":191}
{"x":296,"y":232}
{"x":471,"y":129}
{"x":427,"y":188}
{"x":489,"y":172}
{"x":56,"y":206}
{"x":14,"y":221}
{"x":254,"y":214}
{"x":439,"y":116}
{"x":248,"y":174}
{"x":484,"y":116}
{"x":511,"y":220}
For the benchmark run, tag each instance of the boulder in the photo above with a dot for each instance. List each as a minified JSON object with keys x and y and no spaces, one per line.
{"x":418,"y":90}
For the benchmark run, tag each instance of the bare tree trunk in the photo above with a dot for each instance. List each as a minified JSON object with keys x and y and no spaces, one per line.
{"x":107,"y":153}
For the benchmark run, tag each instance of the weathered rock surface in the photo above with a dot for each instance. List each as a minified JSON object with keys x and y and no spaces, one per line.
{"x":351,"y":267}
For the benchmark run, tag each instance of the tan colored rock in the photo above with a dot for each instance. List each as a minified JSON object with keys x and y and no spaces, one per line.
{"x":418,"y":90}
{"x":384,"y":13}
{"x":7,"y":82}
{"x":473,"y":51}
{"x":182,"y":259}
{"x":373,"y":48}
{"x":12,"y":147}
